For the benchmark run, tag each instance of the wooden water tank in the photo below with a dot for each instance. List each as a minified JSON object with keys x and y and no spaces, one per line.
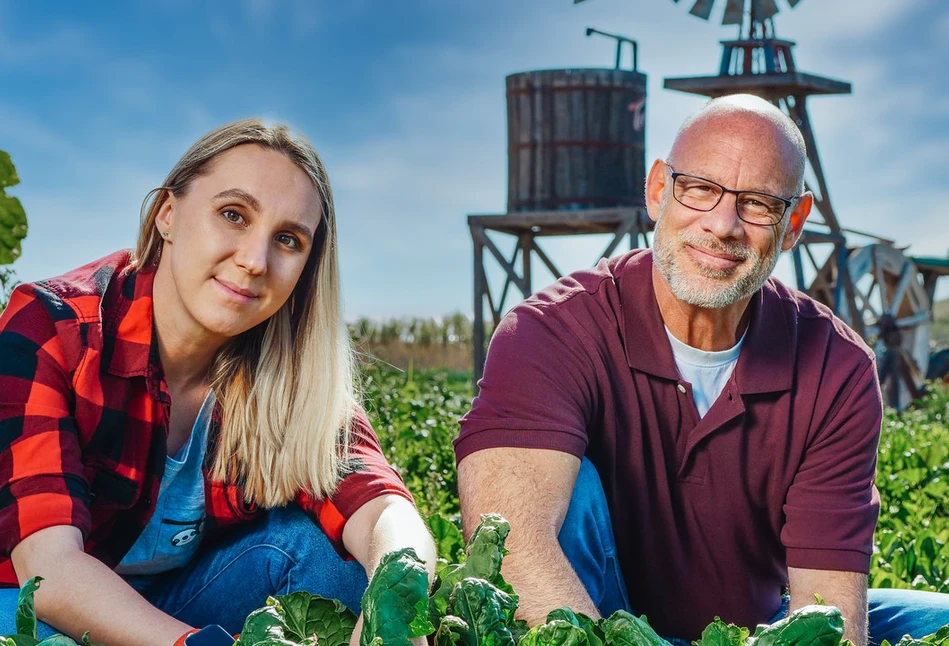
{"x":576,"y":139}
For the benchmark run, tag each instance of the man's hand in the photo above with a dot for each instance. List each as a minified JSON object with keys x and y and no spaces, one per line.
{"x":846,"y":590}
{"x":531,"y":488}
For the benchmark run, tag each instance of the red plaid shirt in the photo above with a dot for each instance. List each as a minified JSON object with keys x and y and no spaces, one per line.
{"x":84,"y":413}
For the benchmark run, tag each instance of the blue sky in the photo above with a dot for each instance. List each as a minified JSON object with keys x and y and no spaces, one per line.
{"x":405,"y":101}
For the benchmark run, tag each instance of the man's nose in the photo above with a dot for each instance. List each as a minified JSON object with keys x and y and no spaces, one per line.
{"x":723,"y":221}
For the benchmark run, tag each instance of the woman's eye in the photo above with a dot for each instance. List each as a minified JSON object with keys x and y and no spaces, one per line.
{"x":232,"y":216}
{"x":288,"y":240}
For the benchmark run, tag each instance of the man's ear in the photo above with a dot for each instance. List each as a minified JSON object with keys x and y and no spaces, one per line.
{"x":802,"y":208}
{"x":655,"y":185}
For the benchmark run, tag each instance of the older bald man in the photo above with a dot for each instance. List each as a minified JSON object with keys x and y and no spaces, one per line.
{"x":732,"y":421}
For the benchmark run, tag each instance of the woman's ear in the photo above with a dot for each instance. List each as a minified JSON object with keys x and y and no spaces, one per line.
{"x":164,"y":219}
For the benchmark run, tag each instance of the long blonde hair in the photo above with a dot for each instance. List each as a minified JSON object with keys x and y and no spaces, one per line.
{"x":286,"y":387}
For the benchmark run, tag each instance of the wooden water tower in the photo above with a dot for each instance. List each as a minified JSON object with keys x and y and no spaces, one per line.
{"x":576,"y":166}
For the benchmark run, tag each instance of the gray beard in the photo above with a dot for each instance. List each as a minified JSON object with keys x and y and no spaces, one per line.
{"x":705,"y":286}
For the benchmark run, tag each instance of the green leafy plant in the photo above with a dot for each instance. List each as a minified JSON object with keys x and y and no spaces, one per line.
{"x":299,"y":618}
{"x":25,"y":622}
{"x":482,"y":561}
{"x":12,"y":216}
{"x":395,"y":605}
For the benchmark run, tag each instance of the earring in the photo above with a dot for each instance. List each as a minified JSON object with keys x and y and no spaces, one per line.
{"x":164,"y":234}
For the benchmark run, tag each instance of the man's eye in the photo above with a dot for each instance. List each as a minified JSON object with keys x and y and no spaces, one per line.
{"x":232,"y":216}
{"x":288,"y":240}
{"x":697,"y":188}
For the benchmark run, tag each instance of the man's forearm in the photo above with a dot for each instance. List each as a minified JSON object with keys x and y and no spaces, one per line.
{"x":846,"y":590}
{"x":544,"y":580}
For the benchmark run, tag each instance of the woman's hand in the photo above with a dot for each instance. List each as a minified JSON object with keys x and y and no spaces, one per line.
{"x":382,"y":525}
{"x":79,"y":593}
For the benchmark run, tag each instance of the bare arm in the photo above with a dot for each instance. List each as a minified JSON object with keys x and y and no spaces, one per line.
{"x":846,"y":590}
{"x":80,"y":593}
{"x":386,"y":524}
{"x":531,"y":488}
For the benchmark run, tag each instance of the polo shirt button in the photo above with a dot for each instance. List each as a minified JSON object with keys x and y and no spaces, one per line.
{"x":681,"y":388}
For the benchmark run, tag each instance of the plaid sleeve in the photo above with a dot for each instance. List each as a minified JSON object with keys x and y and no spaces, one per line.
{"x":370,"y":476}
{"x":42,"y":483}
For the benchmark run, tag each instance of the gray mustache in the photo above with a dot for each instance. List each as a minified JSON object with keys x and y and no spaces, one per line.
{"x":718,"y":246}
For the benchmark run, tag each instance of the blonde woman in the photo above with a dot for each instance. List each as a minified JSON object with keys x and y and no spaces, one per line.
{"x":179,"y":431}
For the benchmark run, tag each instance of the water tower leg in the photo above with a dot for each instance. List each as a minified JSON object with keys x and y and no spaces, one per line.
{"x":526,"y":243}
{"x":477,"y":333}
{"x":799,"y":268}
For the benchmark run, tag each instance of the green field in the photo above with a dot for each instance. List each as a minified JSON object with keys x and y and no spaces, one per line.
{"x":416,"y":417}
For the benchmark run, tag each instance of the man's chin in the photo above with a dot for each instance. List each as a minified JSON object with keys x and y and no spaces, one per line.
{"x":707,"y":292}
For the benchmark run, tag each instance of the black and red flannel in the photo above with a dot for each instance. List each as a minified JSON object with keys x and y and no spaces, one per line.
{"x":84,"y":413}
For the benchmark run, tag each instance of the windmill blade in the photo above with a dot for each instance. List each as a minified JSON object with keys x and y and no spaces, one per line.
{"x":702,"y":8}
{"x":733,"y":12}
{"x":764,"y":9}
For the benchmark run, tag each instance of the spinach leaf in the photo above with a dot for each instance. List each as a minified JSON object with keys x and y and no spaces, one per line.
{"x":263,"y":626}
{"x":454,"y":631}
{"x":594,"y":634}
{"x":808,"y":626}
{"x":449,"y":543}
{"x":308,"y":615}
{"x":519,"y":628}
{"x":22,"y":640}
{"x":57,"y":640}
{"x":557,"y":632}
{"x":25,"y":609}
{"x":623,"y":629}
{"x":486,"y":609}
{"x":395,"y":605}
{"x":483,"y":561}
{"x":718,"y":633}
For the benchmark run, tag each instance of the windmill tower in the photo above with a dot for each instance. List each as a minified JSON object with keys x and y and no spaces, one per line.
{"x":885,"y":295}
{"x":879,"y":291}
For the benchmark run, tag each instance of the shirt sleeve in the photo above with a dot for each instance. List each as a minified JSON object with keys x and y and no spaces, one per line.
{"x":370,"y":475}
{"x":42,"y":481}
{"x":832,"y":505}
{"x":538,"y":390}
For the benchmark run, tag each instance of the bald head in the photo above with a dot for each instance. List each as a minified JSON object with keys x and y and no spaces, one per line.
{"x":748,"y":118}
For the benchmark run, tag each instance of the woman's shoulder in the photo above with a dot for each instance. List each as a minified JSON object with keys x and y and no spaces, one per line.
{"x":81,"y":297}
{"x":90,"y":281}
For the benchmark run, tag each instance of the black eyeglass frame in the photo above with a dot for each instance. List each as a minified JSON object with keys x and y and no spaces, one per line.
{"x":788,"y":201}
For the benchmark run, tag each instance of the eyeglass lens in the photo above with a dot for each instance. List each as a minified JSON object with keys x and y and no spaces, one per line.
{"x":704,"y":195}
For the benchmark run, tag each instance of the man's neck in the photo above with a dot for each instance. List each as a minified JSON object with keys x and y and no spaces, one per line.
{"x":709,"y":329}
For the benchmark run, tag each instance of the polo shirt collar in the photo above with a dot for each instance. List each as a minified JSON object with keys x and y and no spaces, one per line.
{"x":766,"y":362}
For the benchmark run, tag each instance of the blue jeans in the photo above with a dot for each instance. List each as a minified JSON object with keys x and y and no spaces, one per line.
{"x":283,"y":551}
{"x":588,"y":542}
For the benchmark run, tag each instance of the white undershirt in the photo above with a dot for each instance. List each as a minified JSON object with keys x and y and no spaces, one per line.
{"x":708,"y":372}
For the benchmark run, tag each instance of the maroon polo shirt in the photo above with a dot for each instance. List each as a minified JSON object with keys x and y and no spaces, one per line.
{"x":708,"y":513}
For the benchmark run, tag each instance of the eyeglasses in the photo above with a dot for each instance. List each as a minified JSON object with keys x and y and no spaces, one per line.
{"x":703,"y":194}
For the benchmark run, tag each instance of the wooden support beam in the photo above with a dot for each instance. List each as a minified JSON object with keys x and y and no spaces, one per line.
{"x":543,"y":257}
{"x":477,"y":332}
{"x":507,"y":267}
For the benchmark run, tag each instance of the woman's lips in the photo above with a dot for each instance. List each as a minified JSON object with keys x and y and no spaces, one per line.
{"x":235,"y":292}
